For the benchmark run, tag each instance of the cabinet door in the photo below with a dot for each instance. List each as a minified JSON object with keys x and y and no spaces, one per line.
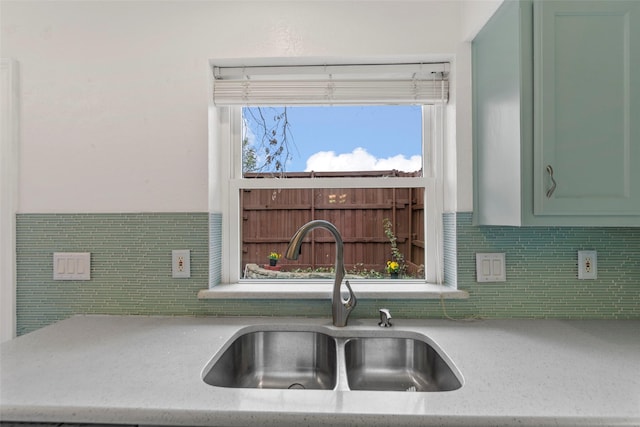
{"x":587,"y":108}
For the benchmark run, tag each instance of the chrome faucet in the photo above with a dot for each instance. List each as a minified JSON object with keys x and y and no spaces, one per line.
{"x":340,"y":308}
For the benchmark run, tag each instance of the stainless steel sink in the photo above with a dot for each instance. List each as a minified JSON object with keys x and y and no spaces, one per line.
{"x":396,"y":364}
{"x":332,"y":360}
{"x":276,"y":359}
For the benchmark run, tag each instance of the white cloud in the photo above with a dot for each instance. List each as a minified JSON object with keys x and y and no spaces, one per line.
{"x":359,"y":160}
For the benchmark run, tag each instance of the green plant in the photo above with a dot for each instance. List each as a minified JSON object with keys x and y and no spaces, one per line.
{"x":275,"y":255}
{"x":249,"y":157}
{"x":359,"y":270}
{"x":396,"y":255}
{"x":393,"y":267}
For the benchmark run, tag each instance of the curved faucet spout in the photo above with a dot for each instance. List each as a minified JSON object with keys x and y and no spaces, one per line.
{"x":340,"y":308}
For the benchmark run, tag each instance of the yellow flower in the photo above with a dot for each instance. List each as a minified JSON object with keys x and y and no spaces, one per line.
{"x":392,"y":267}
{"x":275,"y":255}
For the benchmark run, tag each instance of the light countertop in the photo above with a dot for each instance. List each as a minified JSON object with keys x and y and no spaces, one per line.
{"x":147,"y":370}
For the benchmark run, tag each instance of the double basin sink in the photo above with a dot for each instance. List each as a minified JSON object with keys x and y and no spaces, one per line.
{"x":329,"y":359}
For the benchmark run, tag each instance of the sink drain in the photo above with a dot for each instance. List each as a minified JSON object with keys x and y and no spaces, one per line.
{"x":295,"y":386}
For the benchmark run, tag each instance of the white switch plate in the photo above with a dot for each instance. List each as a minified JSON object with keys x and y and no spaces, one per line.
{"x":181,"y":264}
{"x":491,"y":267}
{"x":587,"y":265}
{"x":72,"y":266}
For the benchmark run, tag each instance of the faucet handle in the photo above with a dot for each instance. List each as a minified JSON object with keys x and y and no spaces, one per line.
{"x":385,"y":318}
{"x":341,"y":308}
{"x":350,"y":302}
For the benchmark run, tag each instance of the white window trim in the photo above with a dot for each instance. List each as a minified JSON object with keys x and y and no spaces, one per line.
{"x":8,"y":195}
{"x":429,"y":181}
{"x":227,"y":121}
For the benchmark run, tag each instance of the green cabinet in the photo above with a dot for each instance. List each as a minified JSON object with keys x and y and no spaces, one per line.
{"x":556,"y":96}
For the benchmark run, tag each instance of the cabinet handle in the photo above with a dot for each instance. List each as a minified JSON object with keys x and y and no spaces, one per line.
{"x":553,"y":182}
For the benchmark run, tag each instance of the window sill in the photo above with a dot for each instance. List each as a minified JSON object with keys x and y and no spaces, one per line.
{"x":387,"y":289}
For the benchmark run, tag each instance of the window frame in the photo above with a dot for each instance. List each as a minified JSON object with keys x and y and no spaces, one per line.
{"x":229,"y":126}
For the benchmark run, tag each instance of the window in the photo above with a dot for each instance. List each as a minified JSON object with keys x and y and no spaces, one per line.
{"x":338,"y":94}
{"x":382,"y":228}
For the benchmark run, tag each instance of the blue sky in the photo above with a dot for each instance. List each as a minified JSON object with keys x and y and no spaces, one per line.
{"x":354,"y":138}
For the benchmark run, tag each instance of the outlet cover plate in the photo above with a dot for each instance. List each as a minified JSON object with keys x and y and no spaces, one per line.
{"x":181,"y":264}
{"x":587,"y":265}
{"x":72,"y":266}
{"x":491,"y":267}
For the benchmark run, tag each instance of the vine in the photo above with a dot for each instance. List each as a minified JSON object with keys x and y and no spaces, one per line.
{"x":396,"y":255}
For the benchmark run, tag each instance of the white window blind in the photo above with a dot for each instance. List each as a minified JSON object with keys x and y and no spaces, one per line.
{"x":332,"y":85}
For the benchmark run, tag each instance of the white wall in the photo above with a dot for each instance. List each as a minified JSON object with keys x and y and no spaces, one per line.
{"x":114,"y":94}
{"x":474,"y":14}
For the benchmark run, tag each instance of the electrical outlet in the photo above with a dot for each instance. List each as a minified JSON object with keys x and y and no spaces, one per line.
{"x":587,"y":265}
{"x":181,"y":264}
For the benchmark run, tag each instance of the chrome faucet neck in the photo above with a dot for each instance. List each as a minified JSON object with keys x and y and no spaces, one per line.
{"x":340,"y":308}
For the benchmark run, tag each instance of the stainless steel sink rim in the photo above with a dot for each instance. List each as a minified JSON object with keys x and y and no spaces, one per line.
{"x":332,"y":371}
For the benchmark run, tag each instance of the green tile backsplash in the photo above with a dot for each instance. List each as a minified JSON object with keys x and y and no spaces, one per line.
{"x":542,"y":271}
{"x":131,"y":271}
{"x":130,"y":264}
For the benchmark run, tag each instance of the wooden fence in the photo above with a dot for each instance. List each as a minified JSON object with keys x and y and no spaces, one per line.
{"x":271,"y":217}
